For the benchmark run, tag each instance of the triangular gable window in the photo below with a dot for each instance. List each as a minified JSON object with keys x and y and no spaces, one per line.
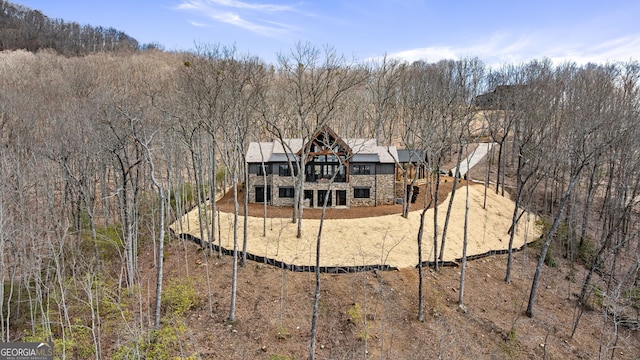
{"x":326,"y":142}
{"x":328,"y":157}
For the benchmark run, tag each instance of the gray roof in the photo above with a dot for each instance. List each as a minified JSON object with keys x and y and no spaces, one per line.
{"x":364,"y":150}
{"x":282,"y":158}
{"x":411,"y":156}
{"x":371,"y":158}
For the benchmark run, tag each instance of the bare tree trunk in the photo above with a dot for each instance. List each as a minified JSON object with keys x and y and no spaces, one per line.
{"x":245,"y":206}
{"x":234,"y":274}
{"x":264,"y":193}
{"x":420,"y":270}
{"x":435,"y":222}
{"x":456,"y":176}
{"x":160,"y":253}
{"x":316,"y":297}
{"x":499,"y":165}
{"x":463,"y":265}
{"x":214,"y":195}
{"x":486,"y":175}
{"x":588,"y":202}
{"x":406,"y":192}
{"x":201,"y":201}
{"x":547,"y":242}
{"x":300,"y":194}
{"x":514,"y":219}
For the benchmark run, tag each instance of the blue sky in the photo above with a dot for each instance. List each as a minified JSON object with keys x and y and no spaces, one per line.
{"x":496,"y":31}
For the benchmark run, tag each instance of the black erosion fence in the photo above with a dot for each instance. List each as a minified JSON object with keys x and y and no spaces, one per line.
{"x":334,"y":269}
{"x":457,"y":262}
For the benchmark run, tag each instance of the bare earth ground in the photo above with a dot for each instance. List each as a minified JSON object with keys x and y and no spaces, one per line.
{"x":373,"y":315}
{"x":373,"y":235}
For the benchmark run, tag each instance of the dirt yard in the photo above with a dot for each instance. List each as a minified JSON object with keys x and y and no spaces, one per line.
{"x":372,"y":235}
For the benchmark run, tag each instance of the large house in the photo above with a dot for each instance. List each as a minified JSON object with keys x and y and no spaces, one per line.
{"x":363,"y":173}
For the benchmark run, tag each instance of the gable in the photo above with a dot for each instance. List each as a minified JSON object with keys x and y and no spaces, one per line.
{"x":325,"y":142}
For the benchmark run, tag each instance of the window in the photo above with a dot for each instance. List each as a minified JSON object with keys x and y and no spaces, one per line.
{"x":260,"y":193}
{"x":267,"y":167}
{"x":285,"y":170}
{"x":361,"y":193}
{"x":319,"y":170}
{"x":361,"y":169}
{"x":286,"y":192}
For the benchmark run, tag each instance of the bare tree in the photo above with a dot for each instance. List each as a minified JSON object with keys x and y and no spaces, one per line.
{"x":145,"y":143}
{"x":582,"y":145}
{"x":315,"y":83}
{"x":461,"y":86}
{"x":465,"y":240}
{"x":328,"y":144}
{"x":531,"y":109}
{"x":382,"y":90}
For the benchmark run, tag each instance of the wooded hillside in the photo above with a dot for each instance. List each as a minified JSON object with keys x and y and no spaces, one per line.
{"x":23,"y":28}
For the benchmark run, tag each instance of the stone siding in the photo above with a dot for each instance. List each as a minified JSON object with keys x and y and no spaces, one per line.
{"x":386,"y":189}
{"x":276,"y":184}
{"x":364,"y":181}
{"x":381,"y":189}
{"x":257,"y":180}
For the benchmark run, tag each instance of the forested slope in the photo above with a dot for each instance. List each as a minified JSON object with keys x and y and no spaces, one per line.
{"x":24,"y":28}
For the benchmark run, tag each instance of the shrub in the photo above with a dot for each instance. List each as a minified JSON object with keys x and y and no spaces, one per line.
{"x":598,"y":296}
{"x":354,"y":313}
{"x":109,"y":241}
{"x":170,"y":341}
{"x":587,"y":252}
{"x":164,"y":344}
{"x":283,"y":333}
{"x":549,"y":260}
{"x":77,"y":343}
{"x":180,"y":296}
{"x":279,"y":357}
{"x":633,"y":295}
{"x":545,"y":226}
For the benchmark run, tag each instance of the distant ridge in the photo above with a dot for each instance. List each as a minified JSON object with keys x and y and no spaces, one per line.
{"x":24,"y":28}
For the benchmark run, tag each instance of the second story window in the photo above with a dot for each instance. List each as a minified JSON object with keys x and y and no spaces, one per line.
{"x":361,"y":170}
{"x":285,"y":170}
{"x":261,"y":169}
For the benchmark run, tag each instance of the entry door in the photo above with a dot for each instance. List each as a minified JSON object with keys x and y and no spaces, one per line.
{"x":308,"y":195}
{"x":260,"y":193}
{"x":341,"y":197}
{"x":321,"y":194}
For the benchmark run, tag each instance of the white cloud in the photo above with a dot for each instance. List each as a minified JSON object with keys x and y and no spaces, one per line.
{"x":198,"y":24}
{"x":503,"y":48}
{"x":245,"y":5}
{"x":244,"y":15}
{"x":593,"y":51}
{"x":429,"y":54}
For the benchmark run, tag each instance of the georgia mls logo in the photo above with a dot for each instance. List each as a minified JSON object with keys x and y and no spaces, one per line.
{"x":26,"y":351}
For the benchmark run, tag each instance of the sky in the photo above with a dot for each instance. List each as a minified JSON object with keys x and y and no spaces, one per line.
{"x":496,"y":31}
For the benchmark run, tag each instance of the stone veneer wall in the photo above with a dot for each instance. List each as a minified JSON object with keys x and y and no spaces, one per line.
{"x":382,"y":189}
{"x":276,"y":183}
{"x":257,"y":180}
{"x":322,"y":185}
{"x":363,"y":181}
{"x":386,"y":189}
